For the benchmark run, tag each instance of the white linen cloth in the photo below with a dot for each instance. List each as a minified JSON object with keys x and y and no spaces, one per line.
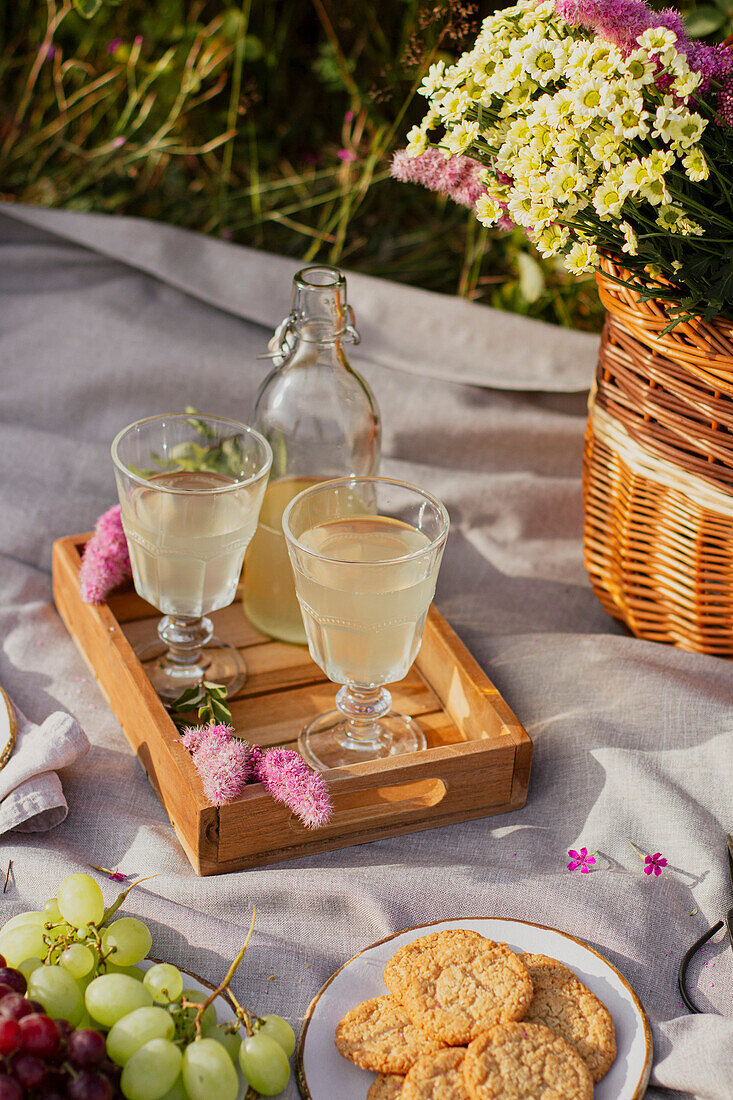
{"x":31,"y":796}
{"x":632,"y":740}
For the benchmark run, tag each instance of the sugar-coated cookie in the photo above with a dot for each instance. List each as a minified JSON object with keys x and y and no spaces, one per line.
{"x":437,"y":1076}
{"x":379,"y":1035}
{"x":456,"y":984}
{"x":562,"y":1003}
{"x":386,"y":1086}
{"x":521,"y":1061}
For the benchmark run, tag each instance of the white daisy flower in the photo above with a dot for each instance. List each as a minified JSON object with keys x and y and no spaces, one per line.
{"x":453,"y":106}
{"x":583,"y":256}
{"x":543,"y":61}
{"x":417,"y":142}
{"x":638,"y":69}
{"x":551,"y":240}
{"x":657,"y":39}
{"x":566,"y":180}
{"x":458,"y":138}
{"x":609,"y":197}
{"x":631,"y":241}
{"x":695,"y":165}
{"x":487,"y":210}
{"x":629,"y":122}
{"x":433,"y":80}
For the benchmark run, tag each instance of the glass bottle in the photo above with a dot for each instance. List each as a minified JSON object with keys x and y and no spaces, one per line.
{"x":322,"y":422}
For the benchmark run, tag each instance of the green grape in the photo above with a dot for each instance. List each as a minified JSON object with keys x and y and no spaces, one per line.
{"x":177,"y":1092}
{"x":152,"y":1070}
{"x":264,"y":1063}
{"x":209,"y":1017}
{"x":131,"y":971}
{"x":51,"y":911}
{"x":208,"y":1072}
{"x":130,"y":939}
{"x":23,"y":918}
{"x":230,"y":1040}
{"x":57,"y":991}
{"x":28,"y":966}
{"x":111,"y":996}
{"x":85,"y":982}
{"x":78,"y":960}
{"x":135,"y":1030}
{"x":280,"y":1030}
{"x":25,"y":941}
{"x":80,"y":901}
{"x":164,"y":983}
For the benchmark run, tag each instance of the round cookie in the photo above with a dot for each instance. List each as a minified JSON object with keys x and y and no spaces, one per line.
{"x":562,"y":1003}
{"x":386,"y":1086}
{"x":520,"y":1061}
{"x":380,"y":1036}
{"x":437,"y":1077}
{"x":455,"y":984}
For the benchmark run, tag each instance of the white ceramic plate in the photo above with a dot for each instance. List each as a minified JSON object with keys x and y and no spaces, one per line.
{"x":7,"y":728}
{"x":323,"y":1074}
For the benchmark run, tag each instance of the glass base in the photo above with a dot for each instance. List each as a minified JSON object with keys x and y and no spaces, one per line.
{"x":328,"y":742}
{"x":219,"y":663}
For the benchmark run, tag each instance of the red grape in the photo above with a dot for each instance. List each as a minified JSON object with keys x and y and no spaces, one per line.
{"x":14,"y":1006}
{"x":13,"y":978}
{"x":3,"y":961}
{"x":39,"y":1035}
{"x":89,"y":1085}
{"x":86,"y":1048}
{"x":9,"y":1088}
{"x":29,"y":1071}
{"x":37,"y":1007}
{"x":9,"y":1036}
{"x":5,"y":989}
{"x":52,"y":1095}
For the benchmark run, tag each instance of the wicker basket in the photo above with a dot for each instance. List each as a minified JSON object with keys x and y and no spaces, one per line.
{"x":658,"y":474}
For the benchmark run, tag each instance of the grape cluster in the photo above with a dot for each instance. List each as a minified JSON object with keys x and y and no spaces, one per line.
{"x":69,"y":976}
{"x":47,"y":1059}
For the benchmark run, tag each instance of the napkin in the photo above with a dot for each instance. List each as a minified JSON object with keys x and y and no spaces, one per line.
{"x":31,"y":797}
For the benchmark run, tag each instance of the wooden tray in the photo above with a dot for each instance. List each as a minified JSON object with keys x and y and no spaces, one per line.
{"x":477,"y":761}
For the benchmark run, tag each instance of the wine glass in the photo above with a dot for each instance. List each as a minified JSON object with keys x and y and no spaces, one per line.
{"x":365,"y":553}
{"x":190,"y":490}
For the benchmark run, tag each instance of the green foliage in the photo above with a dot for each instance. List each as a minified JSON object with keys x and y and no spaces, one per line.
{"x":270,"y":123}
{"x":205,"y":702}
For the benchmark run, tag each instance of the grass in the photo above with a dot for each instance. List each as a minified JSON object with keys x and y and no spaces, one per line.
{"x":266,"y":122}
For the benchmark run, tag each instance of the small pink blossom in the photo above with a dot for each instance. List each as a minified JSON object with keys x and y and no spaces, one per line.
{"x":105,"y":563}
{"x":347,"y":155}
{"x":288,"y":779}
{"x":653,"y":864}
{"x":117,"y":875}
{"x":349,"y":116}
{"x":580,"y":860}
{"x":118,"y":142}
{"x":457,"y":177}
{"x":114,"y":45}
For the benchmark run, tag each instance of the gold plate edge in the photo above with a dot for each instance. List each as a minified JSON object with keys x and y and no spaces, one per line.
{"x":643,"y":1081}
{"x":12,"y":722}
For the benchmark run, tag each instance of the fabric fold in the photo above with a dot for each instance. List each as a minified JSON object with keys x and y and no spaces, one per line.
{"x":402,"y":327}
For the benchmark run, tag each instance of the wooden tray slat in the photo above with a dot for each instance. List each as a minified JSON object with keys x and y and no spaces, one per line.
{"x":477,"y":761}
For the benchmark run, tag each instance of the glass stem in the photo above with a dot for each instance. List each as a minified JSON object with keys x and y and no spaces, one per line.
{"x":363,"y":707}
{"x":185,"y":638}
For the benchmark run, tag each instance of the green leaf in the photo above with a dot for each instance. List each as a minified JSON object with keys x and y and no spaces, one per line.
{"x":704,"y":20}
{"x":87,"y":9}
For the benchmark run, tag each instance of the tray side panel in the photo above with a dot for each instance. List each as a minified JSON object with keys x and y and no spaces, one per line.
{"x":137,"y":707}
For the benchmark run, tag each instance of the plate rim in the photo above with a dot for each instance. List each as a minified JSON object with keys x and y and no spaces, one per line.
{"x":5,"y":753}
{"x":643,"y":1082}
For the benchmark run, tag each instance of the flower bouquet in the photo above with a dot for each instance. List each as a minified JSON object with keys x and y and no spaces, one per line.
{"x":607,"y":134}
{"x":599,"y":127}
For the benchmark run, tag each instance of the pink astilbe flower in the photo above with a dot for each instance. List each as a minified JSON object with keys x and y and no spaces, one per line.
{"x":620,"y":21}
{"x":456,"y":177}
{"x":288,"y":779}
{"x":221,"y":760}
{"x":106,"y":560}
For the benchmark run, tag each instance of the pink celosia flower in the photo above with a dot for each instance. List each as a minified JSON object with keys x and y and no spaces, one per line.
{"x":654,"y":864}
{"x":106,"y":560}
{"x":288,"y":779}
{"x":580,"y":860}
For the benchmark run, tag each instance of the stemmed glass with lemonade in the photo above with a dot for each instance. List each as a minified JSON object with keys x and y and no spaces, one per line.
{"x":190,"y":491}
{"x":365,"y":554}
